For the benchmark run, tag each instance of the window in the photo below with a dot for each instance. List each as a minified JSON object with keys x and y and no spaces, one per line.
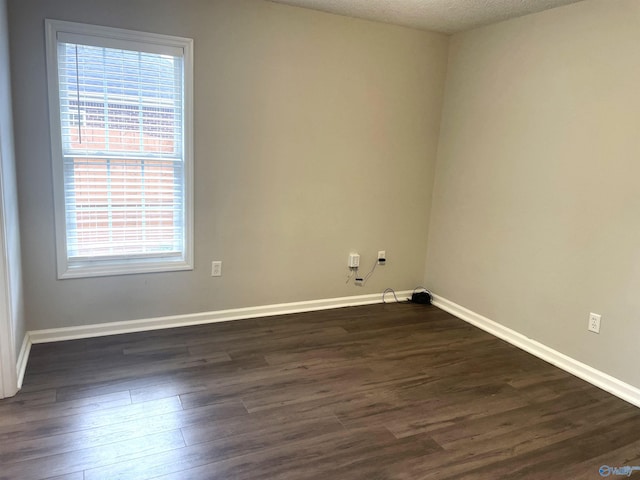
{"x":121,"y":135}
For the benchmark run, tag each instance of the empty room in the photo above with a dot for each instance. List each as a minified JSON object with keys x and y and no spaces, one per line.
{"x":309,"y":239}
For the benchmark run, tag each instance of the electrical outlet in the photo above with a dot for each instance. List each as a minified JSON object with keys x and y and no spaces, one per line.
{"x":354,"y":260}
{"x":216,"y":269}
{"x":594,"y":322}
{"x":382,"y":257}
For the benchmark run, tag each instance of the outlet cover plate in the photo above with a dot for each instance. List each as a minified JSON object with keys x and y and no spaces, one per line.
{"x":216,"y":268}
{"x":594,"y":322}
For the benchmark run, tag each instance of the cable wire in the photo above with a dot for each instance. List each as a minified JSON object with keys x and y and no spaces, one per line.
{"x":393,"y":292}
{"x":366,"y":277}
{"x":420,"y":288}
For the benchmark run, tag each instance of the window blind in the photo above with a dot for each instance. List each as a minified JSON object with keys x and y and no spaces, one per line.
{"x":122,"y":128}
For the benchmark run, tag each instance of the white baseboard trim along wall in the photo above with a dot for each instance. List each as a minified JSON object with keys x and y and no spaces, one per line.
{"x":23,"y":358}
{"x":158,"y":323}
{"x":600,"y":379}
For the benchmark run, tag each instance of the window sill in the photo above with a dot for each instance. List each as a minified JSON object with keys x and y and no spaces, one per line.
{"x":106,"y":269}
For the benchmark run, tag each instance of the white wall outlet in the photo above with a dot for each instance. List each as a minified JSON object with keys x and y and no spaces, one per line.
{"x":594,"y":322}
{"x":216,"y":268}
{"x":382,"y":257}
{"x":354,"y":260}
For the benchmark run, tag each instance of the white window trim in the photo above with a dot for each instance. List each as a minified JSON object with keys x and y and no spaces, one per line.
{"x":150,"y":42}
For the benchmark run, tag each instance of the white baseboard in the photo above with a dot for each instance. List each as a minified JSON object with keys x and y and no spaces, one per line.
{"x":23,"y":358}
{"x":130,"y":326}
{"x":600,"y":379}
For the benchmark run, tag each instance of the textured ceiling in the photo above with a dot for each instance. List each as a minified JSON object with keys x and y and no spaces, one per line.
{"x":446,"y":16}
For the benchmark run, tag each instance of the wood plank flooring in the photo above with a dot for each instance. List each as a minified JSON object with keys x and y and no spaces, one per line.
{"x":394,"y":391}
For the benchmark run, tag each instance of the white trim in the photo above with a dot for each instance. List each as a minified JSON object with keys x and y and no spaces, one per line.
{"x":23,"y":358}
{"x":86,"y":269}
{"x":581,"y":370}
{"x":600,"y":379}
{"x":8,"y":380}
{"x":130,"y":326}
{"x":111,"y":33}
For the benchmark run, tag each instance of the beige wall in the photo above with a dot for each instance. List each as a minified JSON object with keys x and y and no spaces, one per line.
{"x":536,"y":208}
{"x":10,"y":228}
{"x":314,"y":135}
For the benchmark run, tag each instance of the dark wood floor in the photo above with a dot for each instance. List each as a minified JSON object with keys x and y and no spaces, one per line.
{"x":392,"y":391}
